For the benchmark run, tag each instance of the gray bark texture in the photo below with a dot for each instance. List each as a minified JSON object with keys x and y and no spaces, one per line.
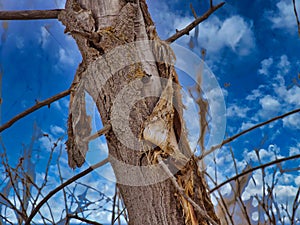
{"x":114,"y":73}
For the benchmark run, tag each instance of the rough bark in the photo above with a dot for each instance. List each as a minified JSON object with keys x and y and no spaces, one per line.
{"x":102,"y":30}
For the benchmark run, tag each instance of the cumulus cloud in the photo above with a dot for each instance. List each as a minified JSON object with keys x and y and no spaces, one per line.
{"x":234,"y":33}
{"x":256,"y":93}
{"x":270,"y":106}
{"x":265,"y":65}
{"x":292,"y":121}
{"x":56,"y":130}
{"x":236,"y":111}
{"x":44,"y":37}
{"x":283,"y":97}
{"x":65,"y":58}
{"x":246,"y":125}
{"x":294,"y":150}
{"x":284,"y":17}
{"x":284,"y":64}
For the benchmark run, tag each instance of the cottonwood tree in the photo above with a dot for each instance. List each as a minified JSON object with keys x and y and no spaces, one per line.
{"x":129,"y":72}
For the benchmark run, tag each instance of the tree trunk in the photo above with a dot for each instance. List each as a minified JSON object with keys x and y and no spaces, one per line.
{"x":126,"y":74}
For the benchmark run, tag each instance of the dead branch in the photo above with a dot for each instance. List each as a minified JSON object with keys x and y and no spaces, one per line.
{"x":37,"y":106}
{"x":63,"y":185}
{"x":262,"y":166}
{"x":182,"y":192}
{"x":193,"y":24}
{"x":30,"y":14}
{"x":83,"y":219}
{"x":228,"y":140}
{"x":12,"y":206}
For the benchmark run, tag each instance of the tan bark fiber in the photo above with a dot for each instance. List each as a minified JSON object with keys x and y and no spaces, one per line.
{"x":99,"y":27}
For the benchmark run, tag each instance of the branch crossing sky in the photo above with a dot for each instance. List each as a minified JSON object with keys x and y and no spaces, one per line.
{"x":252,"y":48}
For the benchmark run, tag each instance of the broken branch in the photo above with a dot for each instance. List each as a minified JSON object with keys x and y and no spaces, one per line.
{"x":181,"y":191}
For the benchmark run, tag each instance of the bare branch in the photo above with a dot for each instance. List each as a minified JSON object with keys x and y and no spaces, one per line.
{"x":104,"y":130}
{"x":296,"y":15}
{"x":12,"y":206}
{"x":34,"y":108}
{"x":228,"y":140}
{"x":262,"y":166}
{"x":30,"y":14}
{"x":114,"y":206}
{"x":123,"y":211}
{"x":193,"y":11}
{"x":192,"y":25}
{"x":60,"y":187}
{"x":83,"y":219}
{"x":182,"y":192}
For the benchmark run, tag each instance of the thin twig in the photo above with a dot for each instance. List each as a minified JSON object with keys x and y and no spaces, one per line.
{"x":113,"y":207}
{"x":253,"y":169}
{"x":60,"y":187}
{"x":228,"y":140}
{"x":182,"y":192}
{"x":295,"y":206}
{"x":83,"y":219}
{"x":193,"y":24}
{"x":30,"y":14}
{"x":123,"y":211}
{"x":296,"y":15}
{"x":37,"y":106}
{"x":12,"y":206}
{"x":193,"y":11}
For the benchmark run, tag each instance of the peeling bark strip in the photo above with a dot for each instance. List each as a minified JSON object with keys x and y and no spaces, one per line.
{"x":135,"y":87}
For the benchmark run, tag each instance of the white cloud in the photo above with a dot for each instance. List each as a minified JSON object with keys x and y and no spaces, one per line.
{"x":56,"y":130}
{"x":284,"y":17}
{"x":246,"y":125}
{"x":60,"y":3}
{"x":65,"y":58}
{"x":233,"y":32}
{"x":284,"y":64}
{"x":270,"y":106}
{"x":191,"y":118}
{"x":266,"y":155}
{"x":292,"y":121}
{"x":236,"y":111}
{"x":44,"y":37}
{"x":294,"y":150}
{"x":20,"y":42}
{"x":265,"y":65}
{"x":297,"y":181}
{"x":256,"y":93}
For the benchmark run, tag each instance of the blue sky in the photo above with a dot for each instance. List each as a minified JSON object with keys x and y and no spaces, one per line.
{"x":252,"y":50}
